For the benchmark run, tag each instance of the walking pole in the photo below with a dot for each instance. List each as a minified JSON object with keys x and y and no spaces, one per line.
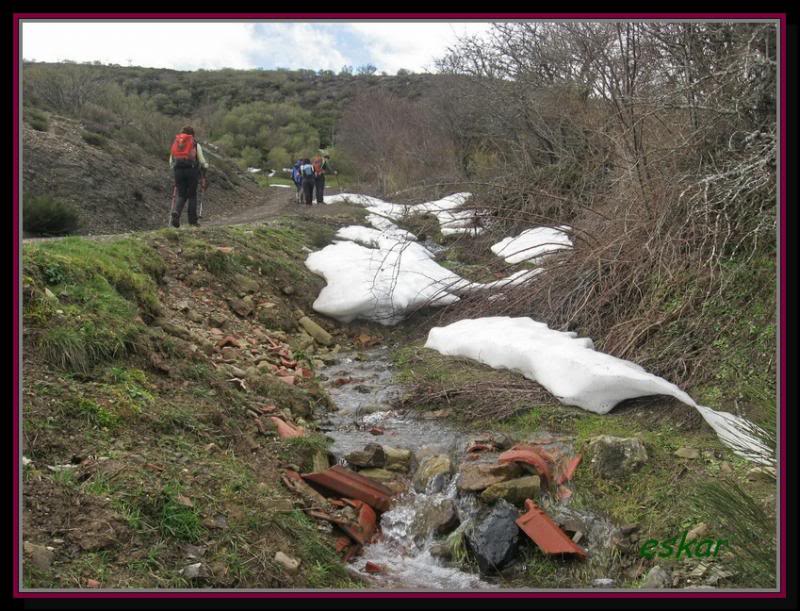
{"x":200,"y":203}
{"x":174,"y":195}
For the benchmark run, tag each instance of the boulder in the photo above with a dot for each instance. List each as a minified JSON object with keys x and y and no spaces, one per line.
{"x":319,"y":334}
{"x":515,"y":491}
{"x":476,"y":477}
{"x":397,"y":459}
{"x":495,"y":537}
{"x":242,"y":307}
{"x":242,"y":284}
{"x":690,"y":453}
{"x":381,"y":475}
{"x":371,"y":456}
{"x":432,"y":473}
{"x":437,"y":517}
{"x":656,"y":579}
{"x":216,"y":320}
{"x":616,"y":457}
{"x":498,"y":441}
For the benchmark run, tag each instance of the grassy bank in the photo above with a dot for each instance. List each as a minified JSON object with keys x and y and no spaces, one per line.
{"x":144,"y":460}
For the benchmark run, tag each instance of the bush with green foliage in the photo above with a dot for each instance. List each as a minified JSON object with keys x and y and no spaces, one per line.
{"x":44,"y":215}
{"x":93,"y":138}
{"x":36,"y":119}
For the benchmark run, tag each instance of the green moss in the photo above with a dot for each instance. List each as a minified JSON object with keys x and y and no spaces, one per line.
{"x":102,"y":292}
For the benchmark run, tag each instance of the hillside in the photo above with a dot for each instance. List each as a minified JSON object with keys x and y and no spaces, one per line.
{"x":114,"y":185}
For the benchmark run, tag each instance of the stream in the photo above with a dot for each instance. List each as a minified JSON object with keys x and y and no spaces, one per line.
{"x":365,"y":394}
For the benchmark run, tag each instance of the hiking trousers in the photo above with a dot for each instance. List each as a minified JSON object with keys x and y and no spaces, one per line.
{"x":319,"y":186}
{"x":186,"y":180}
{"x":308,"y":190}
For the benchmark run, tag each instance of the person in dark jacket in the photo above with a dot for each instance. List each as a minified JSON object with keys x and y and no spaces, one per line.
{"x":322,"y":166}
{"x":188,"y":170}
{"x":307,"y":172}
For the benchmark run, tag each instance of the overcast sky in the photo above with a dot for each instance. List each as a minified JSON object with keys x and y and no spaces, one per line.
{"x":189,"y":45}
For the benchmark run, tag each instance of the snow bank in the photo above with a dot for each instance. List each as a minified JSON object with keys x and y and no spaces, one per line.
{"x":384,"y":275}
{"x":575,"y":373}
{"x":532,"y":244}
{"x":381,"y":284}
{"x":451,"y":221}
{"x":375,"y":238}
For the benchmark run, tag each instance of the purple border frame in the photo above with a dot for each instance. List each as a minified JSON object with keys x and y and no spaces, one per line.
{"x":17,"y":254}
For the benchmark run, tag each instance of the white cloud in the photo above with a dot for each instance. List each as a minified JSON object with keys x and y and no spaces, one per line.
{"x":185,"y":45}
{"x":413,"y":45}
{"x":179,"y":45}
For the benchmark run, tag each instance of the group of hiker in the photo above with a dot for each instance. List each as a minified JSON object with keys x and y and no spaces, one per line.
{"x":309,"y":177}
{"x":189,"y":166}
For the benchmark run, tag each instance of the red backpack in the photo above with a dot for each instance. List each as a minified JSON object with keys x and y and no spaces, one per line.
{"x":184,"y":150}
{"x":317,"y":164}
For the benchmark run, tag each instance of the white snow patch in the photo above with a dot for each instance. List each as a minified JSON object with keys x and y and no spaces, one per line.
{"x":576,"y":374}
{"x":384,"y":275}
{"x":281,"y":186}
{"x":374,"y":238}
{"x":380,"y":284}
{"x":451,"y":221}
{"x":533,"y":244}
{"x":254,"y":170}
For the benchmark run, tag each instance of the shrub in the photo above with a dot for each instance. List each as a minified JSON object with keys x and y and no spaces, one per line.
{"x":44,"y":215}
{"x":39,"y":125}
{"x":93,"y":139}
{"x":37,"y":119}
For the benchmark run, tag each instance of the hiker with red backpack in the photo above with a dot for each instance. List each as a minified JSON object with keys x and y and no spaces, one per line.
{"x":322,"y":166}
{"x":189,"y":165}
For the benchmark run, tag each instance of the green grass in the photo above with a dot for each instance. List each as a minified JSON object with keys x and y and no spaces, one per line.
{"x":96,"y":415}
{"x":320,"y":565}
{"x":104,"y":292}
{"x":176,"y":520}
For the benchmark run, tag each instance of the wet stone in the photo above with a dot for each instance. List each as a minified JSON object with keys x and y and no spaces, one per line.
{"x":477,"y":477}
{"x":432,"y":473}
{"x":495,"y":538}
{"x":371,"y":456}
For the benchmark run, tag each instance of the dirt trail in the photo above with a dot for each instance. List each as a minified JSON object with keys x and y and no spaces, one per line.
{"x":276,"y":202}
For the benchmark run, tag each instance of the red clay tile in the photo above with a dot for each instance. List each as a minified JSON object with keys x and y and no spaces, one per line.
{"x":286,"y":430}
{"x":342,"y":543}
{"x":530,"y":457}
{"x":545,"y":533}
{"x":343,"y":482}
{"x":569,"y":469}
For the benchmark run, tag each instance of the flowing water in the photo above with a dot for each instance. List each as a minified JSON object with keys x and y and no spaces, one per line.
{"x":365,"y":394}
